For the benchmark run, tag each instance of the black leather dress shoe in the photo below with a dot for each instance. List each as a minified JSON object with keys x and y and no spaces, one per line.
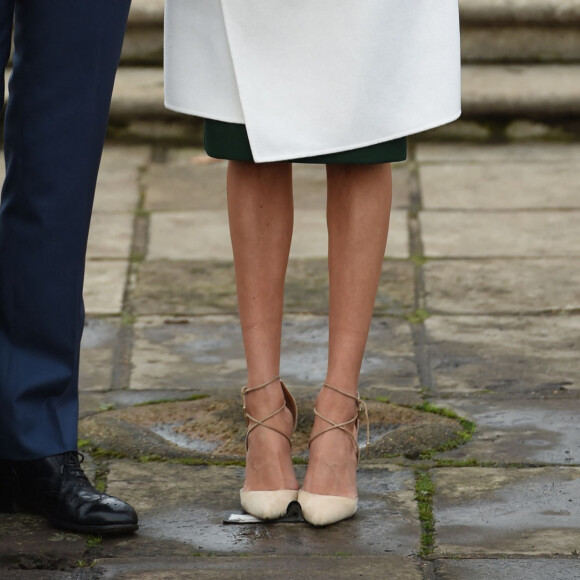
{"x":57,"y":488}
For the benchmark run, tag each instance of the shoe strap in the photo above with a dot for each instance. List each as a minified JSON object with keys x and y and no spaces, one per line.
{"x":262,"y":422}
{"x":361,"y":408}
{"x":246,"y":390}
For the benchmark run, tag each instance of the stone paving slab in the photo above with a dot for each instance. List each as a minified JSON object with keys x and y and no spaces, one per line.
{"x":126,"y":398}
{"x":204,"y":235}
{"x":519,"y":431}
{"x":507,"y":511}
{"x":205,"y":355}
{"x":116,"y":193}
{"x":251,"y":568}
{"x":509,"y":569}
{"x":28,"y":542}
{"x":104,"y":286}
{"x":196,"y":287}
{"x":98,"y":343}
{"x":501,"y":286}
{"x":110,"y":236}
{"x":39,"y":574}
{"x":199,"y":235}
{"x":505,"y":355}
{"x":124,"y":158}
{"x":474,"y":186}
{"x":500,"y":234}
{"x":118,"y":184}
{"x":189,"y":180}
{"x":540,"y":153}
{"x":310,"y":186}
{"x":91,"y":402}
{"x":208,"y":287}
{"x":199,"y":355}
{"x":187,"y":505}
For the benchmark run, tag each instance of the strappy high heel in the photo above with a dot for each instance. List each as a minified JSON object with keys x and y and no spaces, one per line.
{"x":268,"y":505}
{"x":323,"y":510}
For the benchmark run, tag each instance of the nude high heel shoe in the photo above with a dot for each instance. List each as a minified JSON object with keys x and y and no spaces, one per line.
{"x":268,"y":505}
{"x":323,"y":510}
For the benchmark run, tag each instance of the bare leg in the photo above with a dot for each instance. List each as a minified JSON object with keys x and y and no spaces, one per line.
{"x":261,"y":216}
{"x":358,"y":210}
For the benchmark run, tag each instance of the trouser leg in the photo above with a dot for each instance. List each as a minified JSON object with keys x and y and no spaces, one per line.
{"x":66,"y":54}
{"x":6,"y":18}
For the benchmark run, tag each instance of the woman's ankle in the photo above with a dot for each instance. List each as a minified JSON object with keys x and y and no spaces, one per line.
{"x":263,"y":402}
{"x":337,"y":407}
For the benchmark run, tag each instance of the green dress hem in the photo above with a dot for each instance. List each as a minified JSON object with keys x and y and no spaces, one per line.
{"x":230,"y":141}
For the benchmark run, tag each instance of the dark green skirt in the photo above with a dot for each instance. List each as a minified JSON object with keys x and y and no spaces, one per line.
{"x":230,"y":141}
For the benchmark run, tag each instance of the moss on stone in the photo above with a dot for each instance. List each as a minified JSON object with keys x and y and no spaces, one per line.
{"x":424,"y":491}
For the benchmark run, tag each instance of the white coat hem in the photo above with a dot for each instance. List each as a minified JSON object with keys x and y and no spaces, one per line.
{"x":198,"y":113}
{"x":326,"y":151}
{"x":342,"y":149}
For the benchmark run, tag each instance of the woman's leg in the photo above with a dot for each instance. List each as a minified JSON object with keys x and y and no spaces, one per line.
{"x":358,"y":210}
{"x":261,"y":215}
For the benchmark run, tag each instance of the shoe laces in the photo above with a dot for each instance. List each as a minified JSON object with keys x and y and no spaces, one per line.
{"x":72,"y":463}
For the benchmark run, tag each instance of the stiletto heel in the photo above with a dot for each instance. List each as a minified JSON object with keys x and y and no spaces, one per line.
{"x":323,"y":510}
{"x":268,"y":505}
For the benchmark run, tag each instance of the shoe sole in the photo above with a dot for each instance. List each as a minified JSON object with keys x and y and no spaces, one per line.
{"x":97,"y":530}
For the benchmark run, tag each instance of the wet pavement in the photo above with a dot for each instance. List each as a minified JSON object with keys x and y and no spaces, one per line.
{"x":471,"y":375}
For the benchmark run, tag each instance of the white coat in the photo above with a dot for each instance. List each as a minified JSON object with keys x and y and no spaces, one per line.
{"x":310,"y":77}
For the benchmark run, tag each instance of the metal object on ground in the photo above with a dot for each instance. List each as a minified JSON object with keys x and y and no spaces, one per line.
{"x":293,"y":516}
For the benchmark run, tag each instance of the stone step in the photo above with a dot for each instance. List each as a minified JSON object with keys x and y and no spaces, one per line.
{"x":533,"y":100}
{"x":520,"y":31}
{"x":144,"y":39}
{"x":526,"y":91}
{"x":567,"y":12}
{"x":493,"y":31}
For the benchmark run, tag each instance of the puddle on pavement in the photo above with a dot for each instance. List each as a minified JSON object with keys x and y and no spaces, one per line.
{"x":386,"y":520}
{"x":533,"y":431}
{"x":169,"y":432}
